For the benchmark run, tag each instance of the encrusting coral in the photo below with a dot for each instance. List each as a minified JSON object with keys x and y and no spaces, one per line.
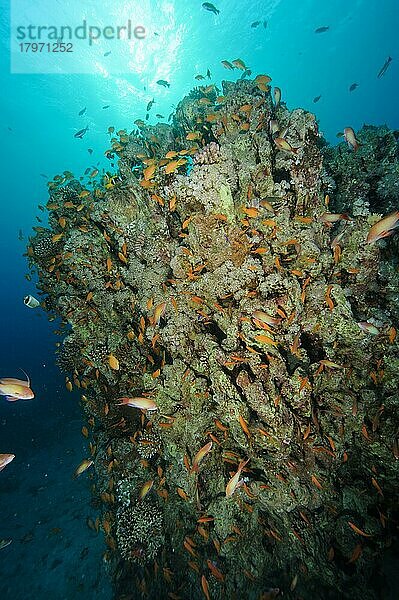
{"x":139,"y":532}
{"x":210,"y":278}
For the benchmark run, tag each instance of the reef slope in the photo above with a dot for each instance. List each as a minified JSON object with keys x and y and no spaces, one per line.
{"x":205,"y":276}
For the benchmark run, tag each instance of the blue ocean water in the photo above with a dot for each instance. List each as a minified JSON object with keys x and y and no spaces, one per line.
{"x":39,"y":119}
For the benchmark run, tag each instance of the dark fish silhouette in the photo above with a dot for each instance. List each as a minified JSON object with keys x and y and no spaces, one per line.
{"x":383,"y":69}
{"x":158,"y":116}
{"x":246,"y":73}
{"x":322,"y":29}
{"x":82,"y":112}
{"x":316,"y":98}
{"x":163,"y":82}
{"x":265,"y":24}
{"x":211,"y":8}
{"x":107,"y":106}
{"x":255,"y":24}
{"x":149,"y":105}
{"x":89,"y":150}
{"x":107,"y":53}
{"x":79,"y":134}
{"x":208,"y":74}
{"x":353,"y":87}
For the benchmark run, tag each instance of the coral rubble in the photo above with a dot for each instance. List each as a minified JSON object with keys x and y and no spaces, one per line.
{"x":228,"y":294}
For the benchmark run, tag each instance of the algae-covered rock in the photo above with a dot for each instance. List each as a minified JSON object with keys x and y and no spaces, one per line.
{"x":215,"y":276}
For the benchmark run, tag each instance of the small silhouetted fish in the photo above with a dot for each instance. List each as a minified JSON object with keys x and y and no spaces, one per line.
{"x":9,"y":128}
{"x":87,"y":170}
{"x":89,"y":150}
{"x":383,"y":69}
{"x":210,"y":7}
{"x":107,"y":53}
{"x":155,"y":33}
{"x":316,"y":98}
{"x":79,"y":134}
{"x":20,"y":235}
{"x":163,"y":82}
{"x":4,"y":543}
{"x":82,"y":112}
{"x":43,"y":175}
{"x":147,"y":116}
{"x":149,"y":105}
{"x":28,"y":537}
{"x":208,"y":74}
{"x":265,"y":24}
{"x":255,"y":24}
{"x":322,"y":29}
{"x":246,"y":73}
{"x":353,"y":87}
{"x":107,"y":106}
{"x":158,"y":116}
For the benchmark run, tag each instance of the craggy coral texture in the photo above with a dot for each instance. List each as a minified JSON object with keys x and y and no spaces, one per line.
{"x":163,"y":272}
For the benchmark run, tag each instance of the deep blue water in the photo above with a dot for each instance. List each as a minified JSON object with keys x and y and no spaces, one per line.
{"x":39,"y":117}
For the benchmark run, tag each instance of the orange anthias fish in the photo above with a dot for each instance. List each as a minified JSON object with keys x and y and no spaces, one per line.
{"x":146,"y":488}
{"x":143,"y":403}
{"x":330,"y":218}
{"x":350,"y":137}
{"x":16,"y":389}
{"x":368,"y":327}
{"x":84,"y":465}
{"x":282,"y":144}
{"x":235,"y":481}
{"x":158,"y":313}
{"x":200,"y":455}
{"x":5,"y":459}
{"x":277,"y":96}
{"x":383,"y":228}
{"x":265,"y":318}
